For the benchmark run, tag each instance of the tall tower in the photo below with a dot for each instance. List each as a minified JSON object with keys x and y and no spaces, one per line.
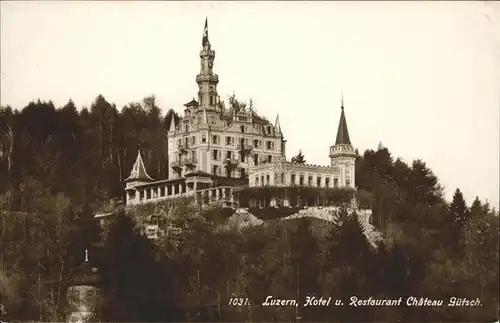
{"x":207,"y":80}
{"x":342,"y":154}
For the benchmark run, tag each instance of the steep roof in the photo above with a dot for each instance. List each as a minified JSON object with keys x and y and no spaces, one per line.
{"x":192,"y":103}
{"x":342,"y":132}
{"x":277,"y":126}
{"x":85,"y":274}
{"x":138,"y":172}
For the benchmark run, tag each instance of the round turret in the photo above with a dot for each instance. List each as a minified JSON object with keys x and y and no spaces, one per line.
{"x":83,"y":292}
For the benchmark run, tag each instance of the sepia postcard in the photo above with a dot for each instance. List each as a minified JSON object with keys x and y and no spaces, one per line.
{"x":288,"y":161}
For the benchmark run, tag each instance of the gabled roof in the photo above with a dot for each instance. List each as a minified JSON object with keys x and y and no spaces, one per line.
{"x":342,"y":132}
{"x":138,"y":172}
{"x":192,"y":103}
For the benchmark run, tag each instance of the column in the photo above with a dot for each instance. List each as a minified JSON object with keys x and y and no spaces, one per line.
{"x":180,"y":188}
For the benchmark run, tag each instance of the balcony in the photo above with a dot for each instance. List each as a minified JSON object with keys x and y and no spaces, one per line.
{"x":231,"y":162}
{"x":245,"y":147}
{"x":183,"y":147}
{"x":176,"y":165}
{"x":190,"y":162}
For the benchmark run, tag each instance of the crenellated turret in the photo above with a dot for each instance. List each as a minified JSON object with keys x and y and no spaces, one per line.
{"x":342,"y":154}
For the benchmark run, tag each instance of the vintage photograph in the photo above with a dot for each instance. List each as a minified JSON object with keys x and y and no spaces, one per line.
{"x":252,"y":161}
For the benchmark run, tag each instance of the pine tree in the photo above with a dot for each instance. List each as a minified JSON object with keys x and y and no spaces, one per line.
{"x":299,"y":158}
{"x":457,"y":218}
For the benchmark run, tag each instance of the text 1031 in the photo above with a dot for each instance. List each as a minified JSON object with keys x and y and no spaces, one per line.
{"x":238,"y":301}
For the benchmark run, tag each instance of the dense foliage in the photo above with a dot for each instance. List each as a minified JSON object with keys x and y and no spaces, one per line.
{"x":64,"y":163}
{"x":299,"y":158}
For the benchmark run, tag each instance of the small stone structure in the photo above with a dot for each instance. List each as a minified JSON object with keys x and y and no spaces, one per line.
{"x":83,"y":293}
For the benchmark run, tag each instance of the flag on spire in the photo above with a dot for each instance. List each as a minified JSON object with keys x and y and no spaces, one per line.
{"x":205,"y":33}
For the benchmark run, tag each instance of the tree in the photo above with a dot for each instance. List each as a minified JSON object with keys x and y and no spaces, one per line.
{"x":457,"y":218}
{"x":299,"y":158}
{"x":136,"y":285}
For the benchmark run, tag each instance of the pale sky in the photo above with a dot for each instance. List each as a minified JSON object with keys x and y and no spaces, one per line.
{"x":421,"y":77}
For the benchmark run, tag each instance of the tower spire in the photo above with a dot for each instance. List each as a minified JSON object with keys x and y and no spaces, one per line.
{"x":138,"y":172}
{"x":342,"y":132}
{"x":277,"y":126}
{"x":207,"y":80}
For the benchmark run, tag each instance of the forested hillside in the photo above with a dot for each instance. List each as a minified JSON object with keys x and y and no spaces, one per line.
{"x":59,"y":164}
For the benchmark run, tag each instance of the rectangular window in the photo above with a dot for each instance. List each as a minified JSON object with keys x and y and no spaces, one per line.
{"x":131,"y":195}
{"x":229,"y":141}
{"x":318,"y":181}
{"x":162,"y":191}
{"x":203,"y":138}
{"x":282,"y":181}
{"x":335,"y":182}
{"x":155,"y":192}
{"x":269,"y":158}
{"x":268,"y":145}
{"x":292,"y":179}
{"x":193,"y":140}
{"x":215,"y":139}
{"x":301,"y":180}
{"x":256,"y":180}
{"x":141,"y":194}
{"x":148,"y":194}
{"x":348,"y":182}
{"x":268,"y":179}
{"x":262,"y":180}
{"x":310,"y":181}
{"x":327,"y":182}
{"x":214,"y":169}
{"x":215,"y":154}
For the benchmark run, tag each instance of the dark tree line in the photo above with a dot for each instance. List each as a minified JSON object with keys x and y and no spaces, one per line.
{"x":64,"y":162}
{"x":83,"y":153}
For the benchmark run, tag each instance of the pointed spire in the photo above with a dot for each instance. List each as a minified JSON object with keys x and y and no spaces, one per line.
{"x":342,"y":132}
{"x":171,"y":128}
{"x":138,"y":170}
{"x":205,"y":40}
{"x":277,"y":126}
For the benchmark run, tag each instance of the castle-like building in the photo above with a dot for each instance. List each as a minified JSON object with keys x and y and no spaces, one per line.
{"x":213,"y":151}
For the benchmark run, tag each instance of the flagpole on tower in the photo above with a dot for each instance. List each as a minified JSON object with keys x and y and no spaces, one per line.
{"x":205,"y":33}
